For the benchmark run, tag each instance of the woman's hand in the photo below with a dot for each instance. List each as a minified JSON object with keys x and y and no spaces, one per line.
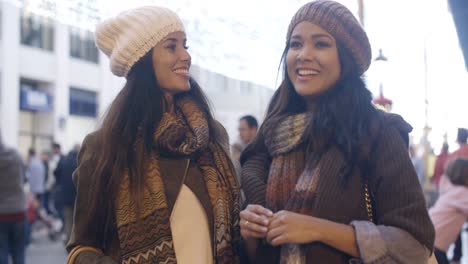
{"x":288,"y":227}
{"x":254,"y":221}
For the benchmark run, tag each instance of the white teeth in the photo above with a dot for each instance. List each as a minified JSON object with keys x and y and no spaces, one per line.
{"x":307,"y":72}
{"x":182,"y":71}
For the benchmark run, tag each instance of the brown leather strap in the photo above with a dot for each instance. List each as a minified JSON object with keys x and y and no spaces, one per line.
{"x":77,"y":250}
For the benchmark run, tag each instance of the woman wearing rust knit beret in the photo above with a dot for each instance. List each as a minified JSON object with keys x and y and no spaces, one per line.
{"x":155,"y":183}
{"x":328,"y":179}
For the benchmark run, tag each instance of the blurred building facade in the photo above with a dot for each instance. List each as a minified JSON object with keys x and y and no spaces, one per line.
{"x":55,"y":85}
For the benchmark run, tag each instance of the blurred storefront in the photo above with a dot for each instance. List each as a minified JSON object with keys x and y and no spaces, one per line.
{"x":55,"y":85}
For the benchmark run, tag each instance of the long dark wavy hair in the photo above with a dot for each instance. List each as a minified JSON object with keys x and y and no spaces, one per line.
{"x":135,"y":112}
{"x":341,"y":115}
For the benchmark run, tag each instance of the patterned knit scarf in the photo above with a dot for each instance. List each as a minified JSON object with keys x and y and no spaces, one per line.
{"x":149,"y":240}
{"x":290,"y":186}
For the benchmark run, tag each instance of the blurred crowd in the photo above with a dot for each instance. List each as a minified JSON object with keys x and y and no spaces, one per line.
{"x":36,"y":194}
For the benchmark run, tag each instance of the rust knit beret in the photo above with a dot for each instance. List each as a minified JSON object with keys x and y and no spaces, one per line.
{"x":337,"y":20}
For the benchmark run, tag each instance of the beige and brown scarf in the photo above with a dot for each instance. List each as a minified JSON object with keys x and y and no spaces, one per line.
{"x":149,"y":240}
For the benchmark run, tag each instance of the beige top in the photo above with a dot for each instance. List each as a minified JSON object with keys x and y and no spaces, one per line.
{"x":190,"y":233}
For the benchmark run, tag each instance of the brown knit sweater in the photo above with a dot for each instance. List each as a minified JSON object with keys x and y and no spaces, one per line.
{"x":397,"y":195}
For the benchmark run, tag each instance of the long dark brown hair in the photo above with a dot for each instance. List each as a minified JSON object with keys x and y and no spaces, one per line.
{"x":340,"y":118}
{"x":135,"y":112}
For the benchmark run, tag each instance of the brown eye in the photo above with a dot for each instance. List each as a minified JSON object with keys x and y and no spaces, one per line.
{"x":322,"y":44}
{"x":295,"y":44}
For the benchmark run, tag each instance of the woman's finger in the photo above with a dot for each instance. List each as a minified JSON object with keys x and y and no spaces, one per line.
{"x":252,"y":234}
{"x":275,"y":232}
{"x":278,"y":219}
{"x":250,"y":226}
{"x":258,"y":209}
{"x":254,"y":218}
{"x":279,"y":240}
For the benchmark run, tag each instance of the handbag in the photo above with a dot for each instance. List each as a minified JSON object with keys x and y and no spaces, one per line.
{"x":77,"y":250}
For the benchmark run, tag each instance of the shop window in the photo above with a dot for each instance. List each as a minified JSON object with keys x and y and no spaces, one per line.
{"x":37,"y":31}
{"x":34,"y":98}
{"x":82,"y":45}
{"x":83,"y":102}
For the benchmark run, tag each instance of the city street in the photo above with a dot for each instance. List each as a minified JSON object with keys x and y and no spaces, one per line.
{"x":43,"y":251}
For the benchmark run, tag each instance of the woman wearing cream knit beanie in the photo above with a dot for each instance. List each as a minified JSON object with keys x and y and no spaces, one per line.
{"x":155,"y":183}
{"x":328,"y":178}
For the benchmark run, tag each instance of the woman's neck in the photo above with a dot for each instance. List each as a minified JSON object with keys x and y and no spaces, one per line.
{"x":169,"y":102}
{"x":310,"y":104}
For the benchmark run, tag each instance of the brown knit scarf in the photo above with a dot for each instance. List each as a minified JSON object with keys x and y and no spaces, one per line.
{"x":290,"y":186}
{"x":149,"y":240}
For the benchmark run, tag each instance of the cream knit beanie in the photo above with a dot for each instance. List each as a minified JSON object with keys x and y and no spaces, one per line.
{"x":131,"y":34}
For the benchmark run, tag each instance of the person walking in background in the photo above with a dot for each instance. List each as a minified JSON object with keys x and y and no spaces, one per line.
{"x":461,"y":152}
{"x":451,"y":209}
{"x":66,"y":189}
{"x":49,"y":199}
{"x":328,"y":178}
{"x":248,"y":126}
{"x":462,"y":141}
{"x":155,"y":184}
{"x":46,"y":194}
{"x":36,"y":176}
{"x":53,"y":163}
{"x":418,"y":164}
{"x":13,"y":235}
{"x":440,"y":164}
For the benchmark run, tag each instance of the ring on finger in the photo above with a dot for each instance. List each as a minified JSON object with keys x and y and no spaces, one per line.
{"x":246,"y":224}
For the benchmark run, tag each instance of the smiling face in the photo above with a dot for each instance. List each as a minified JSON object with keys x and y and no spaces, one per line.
{"x":171,"y":63}
{"x":312,"y":60}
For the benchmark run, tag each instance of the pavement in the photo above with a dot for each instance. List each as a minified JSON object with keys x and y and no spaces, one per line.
{"x":43,"y":250}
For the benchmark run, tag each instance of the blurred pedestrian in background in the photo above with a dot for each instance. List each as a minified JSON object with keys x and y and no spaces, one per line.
{"x":451,"y":209}
{"x":248,"y":126}
{"x":13,"y":235}
{"x":36,"y":176}
{"x":461,"y":152}
{"x":66,"y":191}
{"x":440,"y":164}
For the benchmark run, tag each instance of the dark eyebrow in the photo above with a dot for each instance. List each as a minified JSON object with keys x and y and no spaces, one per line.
{"x":321,"y":35}
{"x":171,"y":40}
{"x":296,"y":37}
{"x":313,"y":36}
{"x":175,"y":40}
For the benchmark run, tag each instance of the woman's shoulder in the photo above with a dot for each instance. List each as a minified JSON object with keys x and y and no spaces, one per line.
{"x":222,"y":135}
{"x":92,"y":139}
{"x":86,"y":160}
{"x":390,"y":124}
{"x":91,"y":143}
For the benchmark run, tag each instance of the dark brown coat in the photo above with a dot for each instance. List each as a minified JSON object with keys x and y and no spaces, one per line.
{"x":173,"y":171}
